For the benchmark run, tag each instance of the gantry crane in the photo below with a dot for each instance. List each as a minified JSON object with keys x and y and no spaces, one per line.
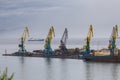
{"x":88,"y":39}
{"x":63,"y":41}
{"x":112,"y":41}
{"x":47,"y":47}
{"x":23,"y":40}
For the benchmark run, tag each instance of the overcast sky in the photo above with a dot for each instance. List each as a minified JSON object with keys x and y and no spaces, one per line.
{"x":76,"y":15}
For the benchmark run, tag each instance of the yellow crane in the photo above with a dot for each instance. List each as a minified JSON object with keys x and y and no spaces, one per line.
{"x":112,"y":41}
{"x":23,"y":40}
{"x":48,"y":50}
{"x":25,"y":34}
{"x":88,"y":39}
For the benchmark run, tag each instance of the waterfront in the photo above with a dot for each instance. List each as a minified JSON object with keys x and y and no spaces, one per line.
{"x":29,"y":68}
{"x":59,"y":69}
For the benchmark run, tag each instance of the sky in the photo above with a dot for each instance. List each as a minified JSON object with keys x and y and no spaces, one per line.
{"x":75,"y":15}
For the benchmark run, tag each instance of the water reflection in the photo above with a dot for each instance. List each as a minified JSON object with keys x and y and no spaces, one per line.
{"x":22,"y":68}
{"x":63,"y":69}
{"x":49,"y":72}
{"x":88,"y":71}
{"x":21,"y":60}
{"x":56,"y":69}
{"x":102,"y":71}
{"x":114,"y":71}
{"x":60,"y":69}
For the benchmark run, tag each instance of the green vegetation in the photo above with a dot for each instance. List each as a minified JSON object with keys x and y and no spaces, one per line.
{"x":4,"y":76}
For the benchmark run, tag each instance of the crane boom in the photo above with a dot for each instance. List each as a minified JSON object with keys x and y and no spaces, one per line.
{"x":63,"y":41}
{"x":112,"y":40}
{"x":25,"y":34}
{"x":23,"y":40}
{"x":90,"y":34}
{"x":64,"y":37}
{"x":48,"y":40}
{"x":88,"y":39}
{"x":48,"y":50}
{"x":114,"y":32}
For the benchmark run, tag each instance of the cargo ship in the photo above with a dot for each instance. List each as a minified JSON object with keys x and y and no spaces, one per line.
{"x":102,"y":58}
{"x":111,"y":54}
{"x":102,"y":55}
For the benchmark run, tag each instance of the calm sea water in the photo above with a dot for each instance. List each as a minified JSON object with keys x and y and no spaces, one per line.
{"x":27,"y":68}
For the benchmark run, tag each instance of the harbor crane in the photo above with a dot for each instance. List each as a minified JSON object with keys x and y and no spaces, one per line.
{"x":63,"y":41}
{"x":47,"y":47}
{"x":23,"y":40}
{"x":88,"y":39}
{"x":112,"y":40}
